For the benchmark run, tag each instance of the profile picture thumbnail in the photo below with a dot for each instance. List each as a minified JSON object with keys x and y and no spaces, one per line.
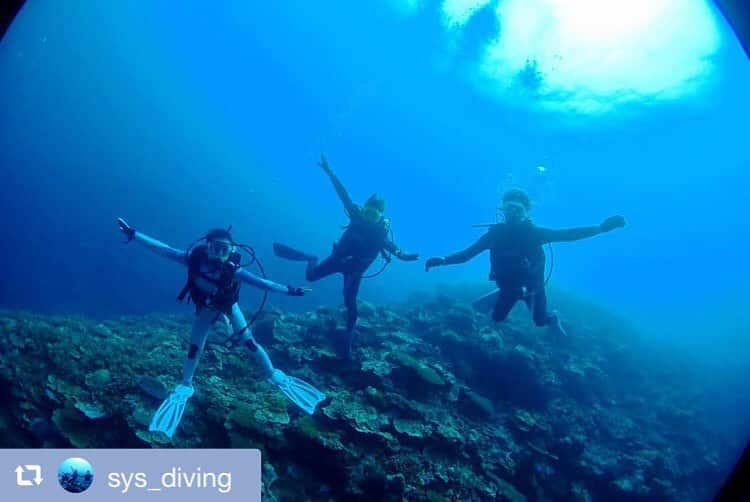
{"x":75,"y":475}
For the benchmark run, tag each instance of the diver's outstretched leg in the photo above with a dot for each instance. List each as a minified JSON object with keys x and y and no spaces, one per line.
{"x":505,"y":301}
{"x":289,"y":253}
{"x":298,"y":391}
{"x":204,"y":319}
{"x":544,"y":318}
{"x":352,"y":281}
{"x":239,"y":325}
{"x":168,"y":416}
{"x":316,"y":271}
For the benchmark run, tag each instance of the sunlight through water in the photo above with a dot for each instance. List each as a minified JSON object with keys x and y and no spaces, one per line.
{"x":590,"y":56}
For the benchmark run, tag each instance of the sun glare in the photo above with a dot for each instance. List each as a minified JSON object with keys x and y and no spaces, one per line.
{"x":589,"y":56}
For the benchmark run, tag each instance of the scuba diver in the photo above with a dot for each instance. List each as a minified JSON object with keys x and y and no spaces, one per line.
{"x":367,"y":236}
{"x":213,"y":284}
{"x":517,"y":258}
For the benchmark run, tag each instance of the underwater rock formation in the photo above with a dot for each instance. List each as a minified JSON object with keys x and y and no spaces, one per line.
{"x":439,"y":404}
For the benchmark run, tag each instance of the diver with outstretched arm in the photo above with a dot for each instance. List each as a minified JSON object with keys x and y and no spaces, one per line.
{"x":366,"y":237}
{"x":517,"y":259}
{"x":214,"y":277}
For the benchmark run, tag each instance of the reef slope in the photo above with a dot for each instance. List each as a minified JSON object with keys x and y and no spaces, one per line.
{"x":439,"y":404}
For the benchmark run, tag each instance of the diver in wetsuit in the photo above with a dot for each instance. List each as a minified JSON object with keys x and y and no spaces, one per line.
{"x":517,"y":259}
{"x":213,"y":285}
{"x":366,"y":237}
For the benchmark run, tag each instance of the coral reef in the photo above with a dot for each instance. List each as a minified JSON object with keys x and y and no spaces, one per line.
{"x":438,"y":404}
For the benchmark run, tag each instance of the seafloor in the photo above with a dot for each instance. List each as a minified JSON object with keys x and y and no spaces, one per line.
{"x":439,"y":404}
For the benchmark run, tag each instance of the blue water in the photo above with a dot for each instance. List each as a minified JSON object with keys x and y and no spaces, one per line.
{"x":184,"y":118}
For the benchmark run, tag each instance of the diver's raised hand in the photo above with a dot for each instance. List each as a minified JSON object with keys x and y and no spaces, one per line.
{"x":126,"y":229}
{"x":434,"y":262}
{"x":324,"y":164}
{"x":612,"y":223}
{"x":292,"y":291}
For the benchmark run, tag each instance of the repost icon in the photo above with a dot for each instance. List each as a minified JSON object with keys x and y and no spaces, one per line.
{"x":29,"y":475}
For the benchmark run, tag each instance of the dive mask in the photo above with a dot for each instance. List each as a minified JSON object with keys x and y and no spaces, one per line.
{"x":371,"y":215}
{"x":220,"y":249}
{"x":510,"y":209}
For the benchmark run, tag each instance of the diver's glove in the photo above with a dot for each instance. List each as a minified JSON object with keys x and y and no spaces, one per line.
{"x":434,"y":262}
{"x":292,"y":291}
{"x":126,"y":229}
{"x":612,"y":223}
{"x":409,"y":256}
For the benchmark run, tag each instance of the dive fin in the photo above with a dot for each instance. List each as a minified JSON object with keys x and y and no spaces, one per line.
{"x":298,"y":391}
{"x":283,"y":251}
{"x":487,"y":302}
{"x":168,"y":416}
{"x":555,"y":324}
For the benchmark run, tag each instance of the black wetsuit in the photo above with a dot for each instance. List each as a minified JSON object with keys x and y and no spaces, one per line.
{"x":355,"y":251}
{"x":517,"y":262}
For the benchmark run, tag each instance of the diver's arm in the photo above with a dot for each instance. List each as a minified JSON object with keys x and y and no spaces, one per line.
{"x":578,"y":233}
{"x":162,"y":249}
{"x":463,"y":256}
{"x":154,"y":245}
{"x":349,"y":205}
{"x":268,"y":285}
{"x":567,"y":234}
{"x":468,"y":253}
{"x":392,"y":248}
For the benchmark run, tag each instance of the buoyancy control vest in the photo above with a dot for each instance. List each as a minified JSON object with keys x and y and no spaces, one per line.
{"x":222,"y":275}
{"x":363,"y":240}
{"x":517,"y":258}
